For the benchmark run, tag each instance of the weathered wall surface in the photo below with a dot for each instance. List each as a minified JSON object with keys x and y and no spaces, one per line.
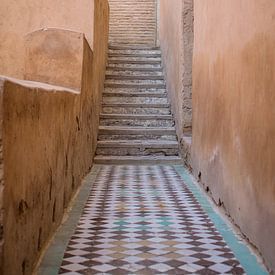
{"x":54,"y":56}
{"x":133,"y":22}
{"x":1,"y":179}
{"x":40,"y":137}
{"x":176,"y":41}
{"x":233,"y":112}
{"x":20,"y":17}
{"x":49,"y":140}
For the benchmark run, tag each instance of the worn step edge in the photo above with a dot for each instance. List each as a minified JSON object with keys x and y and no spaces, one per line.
{"x":141,"y":86}
{"x":134,"y":77}
{"x":136,"y":117}
{"x":143,"y":55}
{"x":132,"y":130}
{"x":135,"y":105}
{"x":137,"y":160}
{"x":146,"y":62}
{"x":132,"y":47}
{"x":137,"y":94}
{"x":138,"y":144}
{"x":135,"y":69}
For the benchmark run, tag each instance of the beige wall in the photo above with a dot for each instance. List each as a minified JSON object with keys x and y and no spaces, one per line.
{"x":233,"y":112}
{"x":176,"y":41}
{"x":54,"y":56}
{"x":20,"y":17}
{"x":133,"y":22}
{"x":49,"y":140}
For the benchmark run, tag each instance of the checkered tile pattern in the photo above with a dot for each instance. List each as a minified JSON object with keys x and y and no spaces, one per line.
{"x":144,"y":220}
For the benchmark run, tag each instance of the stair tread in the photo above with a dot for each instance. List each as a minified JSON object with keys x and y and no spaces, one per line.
{"x":135,"y":69}
{"x":138,"y":160}
{"x":136,"y":128}
{"x":132,"y":47}
{"x":134,"y":116}
{"x":136,"y":105}
{"x":136,"y":94}
{"x":134,"y":77}
{"x":138,"y":143}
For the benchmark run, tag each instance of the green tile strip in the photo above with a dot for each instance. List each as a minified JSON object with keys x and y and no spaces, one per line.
{"x":53,"y":258}
{"x":243,"y":254}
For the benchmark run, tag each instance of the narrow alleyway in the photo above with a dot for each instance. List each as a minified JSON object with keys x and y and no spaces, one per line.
{"x":142,"y":214}
{"x":147,"y":220}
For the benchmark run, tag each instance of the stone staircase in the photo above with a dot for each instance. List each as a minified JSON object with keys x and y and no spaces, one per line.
{"x":136,"y":125}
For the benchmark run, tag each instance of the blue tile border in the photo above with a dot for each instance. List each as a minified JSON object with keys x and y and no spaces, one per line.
{"x":53,"y":257}
{"x":248,"y":261}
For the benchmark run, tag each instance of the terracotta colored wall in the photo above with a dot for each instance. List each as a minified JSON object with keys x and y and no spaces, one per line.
{"x":54,"y":56}
{"x":20,"y":17}
{"x":233,"y":110}
{"x":1,"y":179}
{"x":176,"y":41}
{"x":49,"y":140}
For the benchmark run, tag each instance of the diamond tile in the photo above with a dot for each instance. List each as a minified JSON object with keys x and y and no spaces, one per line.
{"x":144,"y":220}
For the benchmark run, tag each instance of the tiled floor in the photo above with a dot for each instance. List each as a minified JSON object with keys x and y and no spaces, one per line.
{"x":145,"y":220}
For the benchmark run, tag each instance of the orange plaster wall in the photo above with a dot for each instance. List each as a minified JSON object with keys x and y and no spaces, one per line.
{"x":233,"y":112}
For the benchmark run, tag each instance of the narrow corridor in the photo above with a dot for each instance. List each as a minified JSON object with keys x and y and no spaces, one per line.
{"x":146,"y":220}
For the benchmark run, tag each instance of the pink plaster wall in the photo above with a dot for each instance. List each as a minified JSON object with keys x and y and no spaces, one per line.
{"x":20,"y":17}
{"x":233,"y":112}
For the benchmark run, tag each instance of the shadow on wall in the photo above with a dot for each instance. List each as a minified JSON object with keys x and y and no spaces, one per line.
{"x":49,"y":136}
{"x":176,"y":23}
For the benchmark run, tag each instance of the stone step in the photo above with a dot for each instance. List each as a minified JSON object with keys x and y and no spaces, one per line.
{"x":137,"y":69}
{"x":102,"y":137}
{"x":133,"y":77}
{"x":133,"y":47}
{"x":140,"y":117}
{"x":134,"y":51}
{"x":137,"y":160}
{"x":118,"y":109}
{"x":140,"y":144}
{"x":134,"y":73}
{"x":137,"y":148}
{"x":134,"y":100}
{"x":135,"y":81}
{"x":125,"y":93}
{"x":139,"y":61}
{"x":136,"y":105}
{"x":135,"y":90}
{"x":136,"y":120}
{"x":120,"y":130}
{"x":134,"y":55}
{"x":130,"y":85}
{"x":117,"y":151}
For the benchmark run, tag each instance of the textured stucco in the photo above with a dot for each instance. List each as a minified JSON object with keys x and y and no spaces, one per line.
{"x":20,"y":17}
{"x":233,"y":145}
{"x":1,"y":178}
{"x":54,"y":56}
{"x":49,"y":140}
{"x":176,"y":41}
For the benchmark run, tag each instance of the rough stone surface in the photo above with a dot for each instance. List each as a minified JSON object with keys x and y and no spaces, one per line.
{"x":134,"y":123}
{"x":176,"y":41}
{"x":133,"y":22}
{"x":233,"y":147}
